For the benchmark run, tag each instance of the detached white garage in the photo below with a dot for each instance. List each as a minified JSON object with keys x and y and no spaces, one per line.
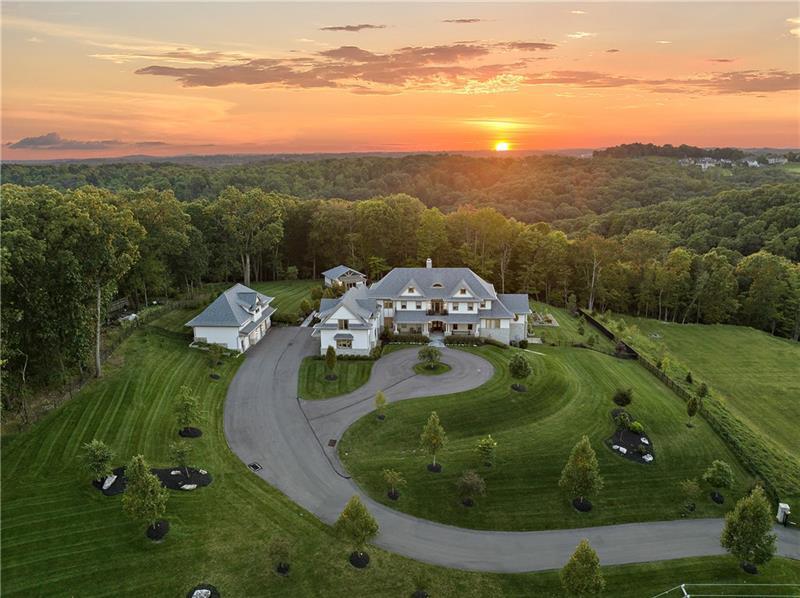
{"x":237,"y":319}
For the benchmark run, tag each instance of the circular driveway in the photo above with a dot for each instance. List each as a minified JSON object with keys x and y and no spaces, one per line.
{"x":265,"y":422}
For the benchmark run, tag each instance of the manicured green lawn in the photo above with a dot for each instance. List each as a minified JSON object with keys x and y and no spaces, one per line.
{"x":566,"y":333}
{"x":568,"y":395}
{"x":288,"y":293}
{"x":438,"y":368}
{"x":757,"y":374}
{"x":350,"y":374}
{"x":60,"y":536}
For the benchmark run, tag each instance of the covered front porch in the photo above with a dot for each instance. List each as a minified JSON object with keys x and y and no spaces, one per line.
{"x":416,"y":322}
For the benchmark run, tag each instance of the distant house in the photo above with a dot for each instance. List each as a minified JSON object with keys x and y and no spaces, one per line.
{"x":427,"y":301}
{"x":343,"y":276}
{"x":237,"y":319}
{"x":752,"y":163}
{"x":777,"y":160}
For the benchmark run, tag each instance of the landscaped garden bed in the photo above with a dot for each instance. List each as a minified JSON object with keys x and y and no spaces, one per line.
{"x":632,"y":444}
{"x":174,"y":478}
{"x":431,"y":370}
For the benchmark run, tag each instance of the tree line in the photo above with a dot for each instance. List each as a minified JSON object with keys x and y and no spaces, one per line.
{"x":531,"y":189}
{"x":640,"y":150}
{"x":65,"y":255}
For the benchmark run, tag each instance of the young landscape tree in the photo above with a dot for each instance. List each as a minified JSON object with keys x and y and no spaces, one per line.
{"x":187,"y":411}
{"x":380,"y":405}
{"x":623,"y":396}
{"x":279,"y":551}
{"x":486,"y":449}
{"x":519,"y":368}
{"x":692,"y":407}
{"x":433,"y":439}
{"x":702,"y":390}
{"x":470,"y":485}
{"x":145,"y":499}
{"x":689,"y":378}
{"x":429,"y":356}
{"x":747,"y":534}
{"x":581,"y":475}
{"x":180,"y":452}
{"x":582,"y":576}
{"x":394,"y":481}
{"x":690,"y":490}
{"x":357,"y":527}
{"x":97,"y":457}
{"x":330,"y":362}
{"x":719,"y":475}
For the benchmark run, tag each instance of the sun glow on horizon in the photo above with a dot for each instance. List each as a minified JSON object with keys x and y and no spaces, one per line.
{"x":502,"y":146}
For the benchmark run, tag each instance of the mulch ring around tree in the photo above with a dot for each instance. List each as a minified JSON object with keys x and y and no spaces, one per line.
{"x":204,"y":590}
{"x":113,"y":484}
{"x":584,"y":506}
{"x":519,"y":387}
{"x":175,"y":478}
{"x":282,"y":569}
{"x":631,"y":445}
{"x":393,"y":494}
{"x":190,"y":432}
{"x":331,"y":377}
{"x":434,"y":468}
{"x":359,"y":560}
{"x":157,"y":532}
{"x":717,"y":497}
{"x":176,"y":481}
{"x":749,"y":568}
{"x":467,"y":502}
{"x":215,"y":376}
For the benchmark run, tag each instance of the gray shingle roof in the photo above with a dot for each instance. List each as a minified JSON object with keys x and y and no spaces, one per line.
{"x":337,"y":271}
{"x":356,"y":300}
{"x":395,"y":282}
{"x":516,"y":302}
{"x":232,"y":308}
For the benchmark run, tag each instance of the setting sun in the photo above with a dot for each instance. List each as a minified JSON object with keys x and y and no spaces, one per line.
{"x":501,"y":146}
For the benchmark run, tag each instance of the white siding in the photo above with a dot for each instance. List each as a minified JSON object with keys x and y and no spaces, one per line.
{"x":218,"y":335}
{"x":363,"y":341}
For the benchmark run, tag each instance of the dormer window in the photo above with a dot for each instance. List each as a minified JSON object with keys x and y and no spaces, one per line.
{"x":412,"y":290}
{"x":462,"y":291}
{"x":436,"y":285}
{"x":483,"y":304}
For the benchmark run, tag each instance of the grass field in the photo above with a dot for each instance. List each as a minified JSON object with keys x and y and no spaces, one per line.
{"x":60,"y":536}
{"x":350,"y":374}
{"x":757,"y":374}
{"x":566,"y":333}
{"x":288,"y":293}
{"x":568,"y":395}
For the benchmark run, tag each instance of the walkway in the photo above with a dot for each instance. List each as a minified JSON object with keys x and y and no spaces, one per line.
{"x":266,"y":422}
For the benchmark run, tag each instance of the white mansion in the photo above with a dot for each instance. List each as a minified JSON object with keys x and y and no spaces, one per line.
{"x":429,"y":301}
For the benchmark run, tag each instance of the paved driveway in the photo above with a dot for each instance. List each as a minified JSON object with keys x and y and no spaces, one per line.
{"x":267,"y":423}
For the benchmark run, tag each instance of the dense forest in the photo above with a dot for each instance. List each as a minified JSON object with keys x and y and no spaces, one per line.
{"x":640,"y":150}
{"x":532,"y":189}
{"x":70,"y":253}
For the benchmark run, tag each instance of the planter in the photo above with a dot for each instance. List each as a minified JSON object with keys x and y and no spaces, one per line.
{"x":359,"y":560}
{"x":584,"y":506}
{"x":749,"y":568}
{"x":190,"y":432}
{"x":157,"y":532}
{"x":434,"y":468}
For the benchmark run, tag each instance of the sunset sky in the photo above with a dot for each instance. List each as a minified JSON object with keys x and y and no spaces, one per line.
{"x":111,"y":79}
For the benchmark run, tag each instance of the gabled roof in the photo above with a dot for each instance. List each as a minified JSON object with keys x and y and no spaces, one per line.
{"x":232,"y":308}
{"x":516,"y":302}
{"x":393,"y":284}
{"x":337,"y":271}
{"x":356,"y":300}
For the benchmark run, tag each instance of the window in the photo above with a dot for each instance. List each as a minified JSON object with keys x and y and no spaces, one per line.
{"x":492,"y":323}
{"x":470,"y":307}
{"x":436,"y":285}
{"x":344,"y":344}
{"x":469,"y":326}
{"x":402,"y":305}
{"x":483,"y":304}
{"x":462,"y":291}
{"x":455,"y":306}
{"x":388,"y":304}
{"x":419,"y":305}
{"x":344,"y":324}
{"x":412,"y":290}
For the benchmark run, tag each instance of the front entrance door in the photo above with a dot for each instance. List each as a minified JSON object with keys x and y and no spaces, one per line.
{"x":437,"y":326}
